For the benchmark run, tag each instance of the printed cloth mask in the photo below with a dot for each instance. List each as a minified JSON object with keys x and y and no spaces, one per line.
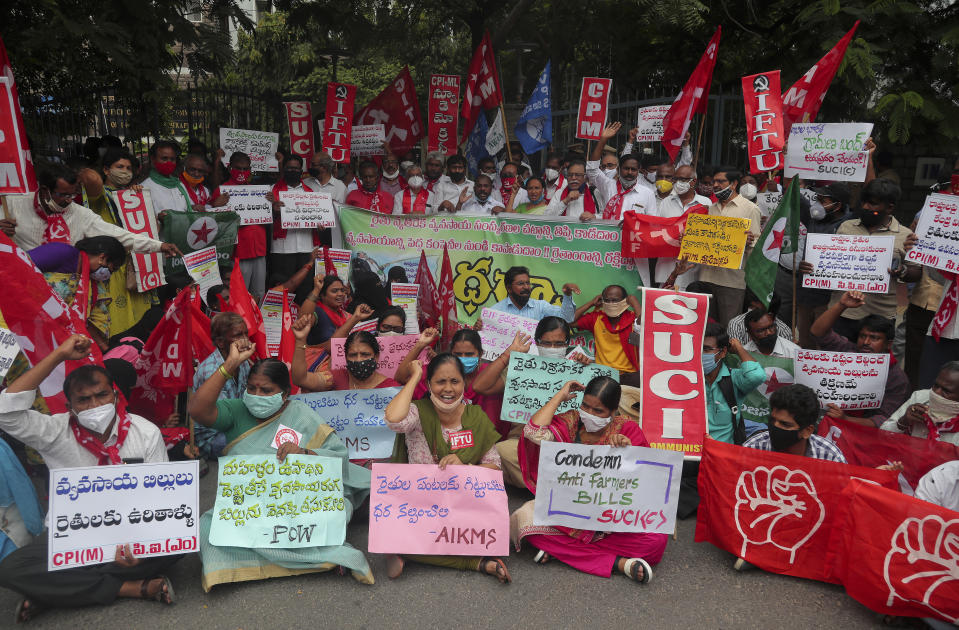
{"x":262,"y":406}
{"x":681,"y":187}
{"x":593,"y":423}
{"x":362,"y":370}
{"x":725,"y":193}
{"x":705,"y":190}
{"x":101,"y":275}
{"x":241,"y":177}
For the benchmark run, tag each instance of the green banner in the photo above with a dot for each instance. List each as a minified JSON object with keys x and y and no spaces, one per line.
{"x":191,"y":231}
{"x":779,"y":372}
{"x":482,"y":249}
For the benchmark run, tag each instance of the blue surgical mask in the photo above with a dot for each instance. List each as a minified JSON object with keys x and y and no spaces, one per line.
{"x":469,"y":364}
{"x":709,"y":362}
{"x":262,"y":406}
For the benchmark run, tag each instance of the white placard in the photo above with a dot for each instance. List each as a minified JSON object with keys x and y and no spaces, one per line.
{"x":938,"y":233}
{"x":650,"y":123}
{"x":202,"y":267}
{"x":844,"y":262}
{"x":261,"y":146}
{"x":831,"y":151}
{"x":306,"y":210}
{"x":499,"y":330}
{"x":367,"y":140}
{"x":153,"y":507}
{"x":250,"y":203}
{"x":8,"y":350}
{"x":849,"y":380}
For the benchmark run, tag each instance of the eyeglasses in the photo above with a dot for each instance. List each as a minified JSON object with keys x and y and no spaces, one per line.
{"x":550,"y":344}
{"x":63,"y":195}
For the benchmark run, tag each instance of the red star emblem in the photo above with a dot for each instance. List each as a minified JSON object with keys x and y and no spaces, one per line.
{"x":202,"y":233}
{"x":773,"y":383}
{"x":777,"y":242}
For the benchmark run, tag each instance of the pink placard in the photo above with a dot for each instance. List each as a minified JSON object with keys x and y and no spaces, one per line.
{"x":393,"y":349}
{"x":419,"y":509}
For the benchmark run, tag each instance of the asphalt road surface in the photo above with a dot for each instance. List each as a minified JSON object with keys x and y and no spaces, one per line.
{"x":693,"y":587}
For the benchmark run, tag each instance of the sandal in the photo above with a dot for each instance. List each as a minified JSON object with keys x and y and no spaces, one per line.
{"x":26,"y":610}
{"x":631,"y":569}
{"x":542,"y":557}
{"x":162,"y":596}
{"x":500,"y":572}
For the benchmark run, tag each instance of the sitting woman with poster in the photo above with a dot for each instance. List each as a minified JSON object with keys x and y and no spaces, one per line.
{"x":250,"y":425}
{"x":442,"y":429}
{"x":362,"y":360}
{"x":326,"y":305}
{"x":593,"y":423}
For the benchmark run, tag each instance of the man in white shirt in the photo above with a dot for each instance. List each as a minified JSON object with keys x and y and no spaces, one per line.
{"x":620,"y":194}
{"x":391,"y":181}
{"x":575,"y":201}
{"x":166,"y":190}
{"x":290,"y":249}
{"x":941,"y":486}
{"x":447,"y":191}
{"x":433,"y":169}
{"x":927,"y":409}
{"x":415,"y":199}
{"x":321,"y":179}
{"x":555,"y":181}
{"x":764,"y":336}
{"x":482,"y":201}
{"x":508,"y":180}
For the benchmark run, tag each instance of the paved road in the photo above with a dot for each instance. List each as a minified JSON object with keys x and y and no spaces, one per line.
{"x":693,"y":587}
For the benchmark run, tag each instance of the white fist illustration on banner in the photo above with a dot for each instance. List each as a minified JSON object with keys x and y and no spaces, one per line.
{"x":924,"y":557}
{"x":777,"y":507}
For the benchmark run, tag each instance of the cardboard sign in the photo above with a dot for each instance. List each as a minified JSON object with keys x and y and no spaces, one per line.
{"x":849,"y":380}
{"x":500,"y":328}
{"x":832,"y":151}
{"x":285,"y":434}
{"x":357,"y":417}
{"x":393,"y":349}
{"x":406,"y":295}
{"x":607,"y":489}
{"x":302,"y":209}
{"x":764,"y":121}
{"x":532,"y":380}
{"x":938,"y":233}
{"x":13,"y":163}
{"x":714,"y":240}
{"x":443,"y":112}
{"x":202,"y":267}
{"x":674,"y":393}
{"x":650,"y":123}
{"x":849,"y":263}
{"x":367,"y":140}
{"x":137,"y":215}
{"x":249,"y":202}
{"x":593,"y":103}
{"x":261,"y":146}
{"x":8,"y":350}
{"x":420,"y":509}
{"x":299,"y":116}
{"x":153,"y":507}
{"x":338,"y":124}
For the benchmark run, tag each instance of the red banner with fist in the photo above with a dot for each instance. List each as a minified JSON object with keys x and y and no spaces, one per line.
{"x":648,"y":236}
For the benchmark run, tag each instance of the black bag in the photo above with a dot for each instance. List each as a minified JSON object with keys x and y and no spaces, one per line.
{"x":729,"y":393}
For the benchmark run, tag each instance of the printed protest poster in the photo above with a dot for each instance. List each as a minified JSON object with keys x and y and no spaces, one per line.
{"x":393,"y":349}
{"x":607,"y":489}
{"x":532,"y":380}
{"x":341,"y":262}
{"x":263,"y":502}
{"x":193,"y":231}
{"x":832,"y":151}
{"x":405,"y":295}
{"x":302,"y":209}
{"x":138,"y":216}
{"x":650,"y":123}
{"x":849,"y":263}
{"x":420,"y":509}
{"x":500,"y":328}
{"x":202,"y":267}
{"x":593,"y":104}
{"x":259,"y":145}
{"x":714,"y":240}
{"x":938,"y":233}
{"x":250,"y":204}
{"x":849,"y":380}
{"x":357,"y":418}
{"x":8,"y":350}
{"x":367,"y":140}
{"x":153,"y":507}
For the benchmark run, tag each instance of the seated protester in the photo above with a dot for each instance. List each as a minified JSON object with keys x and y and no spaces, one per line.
{"x":725,"y":387}
{"x":414,"y":198}
{"x":736,"y":329}
{"x":931,"y":413}
{"x":794,"y":411}
{"x":225,"y":328}
{"x":369,"y":196}
{"x":593,"y":423}
{"x":941,"y":486}
{"x":612,"y":326}
{"x":21,"y":517}
{"x":424,"y":426}
{"x":483,"y":200}
{"x":250,"y":425}
{"x":875,"y":335}
{"x":764,"y":335}
{"x":536,"y":198}
{"x":331,"y":319}
{"x":575,"y":200}
{"x":196,"y":171}
{"x":518,"y":301}
{"x":362,"y":360}
{"x":94,"y":432}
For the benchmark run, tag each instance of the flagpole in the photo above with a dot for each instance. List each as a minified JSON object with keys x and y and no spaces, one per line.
{"x":699,"y":140}
{"x":502,"y":111}
{"x":795,"y":334}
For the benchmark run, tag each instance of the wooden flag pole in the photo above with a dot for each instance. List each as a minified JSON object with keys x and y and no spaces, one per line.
{"x":795,"y":328}
{"x":502,"y":110}
{"x":699,"y":140}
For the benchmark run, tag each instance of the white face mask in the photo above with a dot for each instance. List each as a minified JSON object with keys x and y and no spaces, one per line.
{"x":941,"y":409}
{"x":391,"y":175}
{"x":415,"y":182}
{"x":593,"y":423}
{"x":551,"y":353}
{"x":749,"y":191}
{"x":388,"y":333}
{"x":651,"y":177}
{"x":681,"y":187}
{"x":98,"y":418}
{"x":609,"y":172}
{"x":551,"y":174}
{"x":816,"y":210}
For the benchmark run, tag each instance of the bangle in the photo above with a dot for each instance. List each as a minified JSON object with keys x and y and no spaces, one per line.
{"x":222,"y":370}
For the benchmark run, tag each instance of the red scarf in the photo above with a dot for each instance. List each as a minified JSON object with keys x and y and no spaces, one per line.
{"x":614,"y":207}
{"x":589,"y":204}
{"x":279,"y":232}
{"x":338,"y":317}
{"x":105,"y":454}
{"x":419,"y":206}
{"x":947,"y":310}
{"x":56,"y":230}
{"x":949,"y":426}
{"x":429,"y":184}
{"x":81,"y":298}
{"x":199,"y":195}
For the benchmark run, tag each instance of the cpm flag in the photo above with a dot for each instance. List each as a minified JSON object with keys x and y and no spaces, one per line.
{"x":780,"y":236}
{"x":16,"y":164}
{"x":482,"y":85}
{"x":801,"y":102}
{"x":398,"y":110}
{"x":692,"y":99}
{"x":534,"y":129}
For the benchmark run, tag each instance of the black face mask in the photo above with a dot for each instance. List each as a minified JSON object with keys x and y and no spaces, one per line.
{"x":781,"y":439}
{"x":362,"y":370}
{"x":457,"y":177}
{"x":870,"y":218}
{"x":766,"y":344}
{"x":314,"y":172}
{"x":292,"y":178}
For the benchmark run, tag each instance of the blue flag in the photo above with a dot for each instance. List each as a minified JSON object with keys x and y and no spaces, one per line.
{"x":476,"y":144}
{"x":534,"y":130}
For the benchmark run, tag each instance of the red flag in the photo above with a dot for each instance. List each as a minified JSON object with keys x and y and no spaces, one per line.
{"x":648,"y":236}
{"x":801,"y":102}
{"x":896,"y":554}
{"x":772,"y":509}
{"x":329,"y":268}
{"x":299,"y":116}
{"x":692,"y":100}
{"x":482,"y":85}
{"x":16,"y":163}
{"x":446,"y":300}
{"x":764,"y":121}
{"x":398,"y":109}
{"x":287,"y":340}
{"x":243,"y":303}
{"x":427,"y":297}
{"x":338,"y":125}
{"x":871,"y":447}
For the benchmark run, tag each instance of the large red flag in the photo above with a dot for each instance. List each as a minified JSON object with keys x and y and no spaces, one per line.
{"x":287,"y":339}
{"x":243,"y":303}
{"x":648,"y":236}
{"x":896,"y":554}
{"x":774,"y":510}
{"x":16,"y":163}
{"x":446,"y":300}
{"x":482,"y":85}
{"x":398,"y":109}
{"x":692,"y":99}
{"x":801,"y":102}
{"x":427,"y":296}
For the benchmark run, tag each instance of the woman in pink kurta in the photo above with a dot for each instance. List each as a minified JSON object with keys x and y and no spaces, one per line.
{"x":593,"y":423}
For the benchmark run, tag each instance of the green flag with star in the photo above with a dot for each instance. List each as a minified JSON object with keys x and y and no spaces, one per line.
{"x":780,"y":236}
{"x":191,"y":231}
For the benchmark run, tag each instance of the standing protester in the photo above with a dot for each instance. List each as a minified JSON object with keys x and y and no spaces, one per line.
{"x":414,"y":199}
{"x":483,"y":201}
{"x":250,"y":251}
{"x":166,"y":189}
{"x":369,"y":196}
{"x":618,"y":195}
{"x":576,"y":199}
{"x":447,"y":191}
{"x":195,"y":173}
{"x":291,"y":249}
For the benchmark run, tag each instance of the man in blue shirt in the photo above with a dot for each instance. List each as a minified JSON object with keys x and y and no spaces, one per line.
{"x":518,"y":302}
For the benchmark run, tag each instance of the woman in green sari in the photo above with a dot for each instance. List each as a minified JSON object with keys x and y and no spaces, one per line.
{"x":424,"y":427}
{"x":536,"y":190}
{"x":250,"y":423}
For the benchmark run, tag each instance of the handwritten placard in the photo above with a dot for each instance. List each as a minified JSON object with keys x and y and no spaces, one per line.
{"x":849,"y":380}
{"x":500,"y":328}
{"x":357,"y":418}
{"x":938,"y":233}
{"x":306,"y":210}
{"x":263,"y":502}
{"x":714,"y":240}
{"x":8,"y":350}
{"x":393,"y":349}
{"x":367,"y":140}
{"x":832,"y":151}
{"x":250,"y":203}
{"x":406,"y":295}
{"x":650,"y":123}
{"x":202,"y":267}
{"x":152,"y":507}
{"x":532,"y":380}
{"x":259,"y":145}
{"x":849,"y":263}
{"x":420,"y":509}
{"x":607,"y":489}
